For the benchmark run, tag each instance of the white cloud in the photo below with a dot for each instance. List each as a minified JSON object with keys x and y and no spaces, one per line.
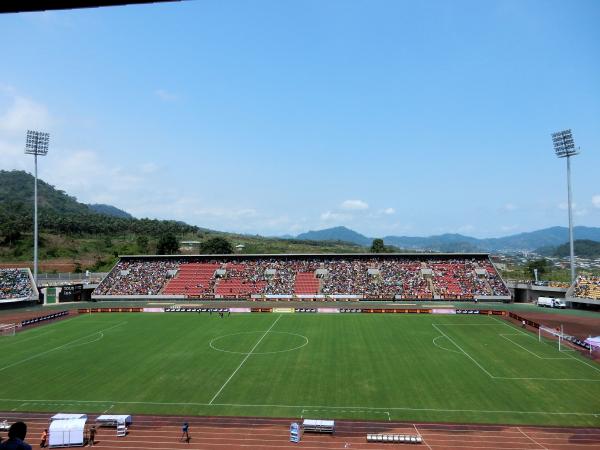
{"x":23,"y":114}
{"x":509,"y":207}
{"x":354,"y":205}
{"x":165,"y":95}
{"x":92,"y":179}
{"x":596,"y":201}
{"x":466,"y":228}
{"x":564,"y":206}
{"x":507,"y":228}
{"x":148,"y":168}
{"x":330,"y":215}
{"x":17,"y":114}
{"x":388,"y":211}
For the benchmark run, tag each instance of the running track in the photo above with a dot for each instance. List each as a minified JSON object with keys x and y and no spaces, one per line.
{"x":223,"y":433}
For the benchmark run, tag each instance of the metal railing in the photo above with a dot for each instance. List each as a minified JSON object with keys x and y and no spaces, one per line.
{"x":68,"y":276}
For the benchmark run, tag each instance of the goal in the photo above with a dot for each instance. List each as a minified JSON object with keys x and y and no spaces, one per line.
{"x":552,"y":336}
{"x":8,"y":329}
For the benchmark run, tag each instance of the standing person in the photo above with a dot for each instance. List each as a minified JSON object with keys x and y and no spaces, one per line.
{"x":44,"y":438}
{"x":523,"y":324}
{"x":185,"y":432}
{"x":92,"y":436}
{"x":16,"y":438}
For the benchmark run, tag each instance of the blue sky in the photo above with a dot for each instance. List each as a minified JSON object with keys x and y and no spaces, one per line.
{"x":270,"y":117}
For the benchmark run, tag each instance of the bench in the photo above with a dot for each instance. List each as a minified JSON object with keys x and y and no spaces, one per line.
{"x":319,"y":426}
{"x":395,"y":438}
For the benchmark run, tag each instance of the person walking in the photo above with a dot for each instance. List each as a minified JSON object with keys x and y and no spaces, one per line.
{"x":185,"y":432}
{"x":44,"y":439}
{"x":92,"y":436}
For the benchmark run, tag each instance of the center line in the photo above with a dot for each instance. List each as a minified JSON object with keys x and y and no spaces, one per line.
{"x":244,"y":360}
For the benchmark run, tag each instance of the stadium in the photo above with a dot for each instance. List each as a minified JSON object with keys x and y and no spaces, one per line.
{"x":381,"y":345}
{"x":206,"y":292}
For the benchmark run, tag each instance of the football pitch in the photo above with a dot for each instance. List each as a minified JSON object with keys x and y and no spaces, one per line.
{"x":440,"y":368}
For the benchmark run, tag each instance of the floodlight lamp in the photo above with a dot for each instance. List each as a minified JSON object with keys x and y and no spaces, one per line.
{"x":564,"y":144}
{"x":36,"y":142}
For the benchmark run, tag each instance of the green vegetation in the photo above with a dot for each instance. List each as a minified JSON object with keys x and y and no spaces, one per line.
{"x":167,"y":244}
{"x":377,"y":246}
{"x":216,"y":246}
{"x":78,"y":236}
{"x":473,"y":369}
{"x":583,"y":248}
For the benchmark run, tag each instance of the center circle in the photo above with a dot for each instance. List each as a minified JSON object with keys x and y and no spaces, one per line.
{"x":227,"y":342}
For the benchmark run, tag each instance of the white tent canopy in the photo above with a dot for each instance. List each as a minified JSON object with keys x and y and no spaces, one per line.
{"x":593,"y":341}
{"x":113,"y":419}
{"x":63,"y":416}
{"x":67,"y":433}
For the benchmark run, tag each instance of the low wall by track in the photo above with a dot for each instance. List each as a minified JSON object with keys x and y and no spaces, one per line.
{"x":296,"y":298}
{"x":191,"y":309}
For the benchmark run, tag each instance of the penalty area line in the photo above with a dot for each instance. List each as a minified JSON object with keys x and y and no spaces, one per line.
{"x":59,"y":347}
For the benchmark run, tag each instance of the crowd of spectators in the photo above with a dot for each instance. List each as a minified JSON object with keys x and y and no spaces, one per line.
{"x":374,"y":277}
{"x":15,"y":283}
{"x":588,"y":287}
{"x":137,"y":277}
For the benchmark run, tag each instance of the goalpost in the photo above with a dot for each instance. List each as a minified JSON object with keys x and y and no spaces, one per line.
{"x":552,"y":335}
{"x":8,"y":329}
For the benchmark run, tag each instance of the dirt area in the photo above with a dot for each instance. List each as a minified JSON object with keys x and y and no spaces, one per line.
{"x":580,"y":327}
{"x":18,"y":316}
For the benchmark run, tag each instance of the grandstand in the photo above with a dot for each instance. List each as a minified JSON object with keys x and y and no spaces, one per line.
{"x":333,"y":276}
{"x":587,"y":287}
{"x":17,"y":285}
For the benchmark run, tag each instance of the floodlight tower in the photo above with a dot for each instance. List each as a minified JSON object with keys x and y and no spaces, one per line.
{"x":564,"y":146}
{"x":36,"y":144}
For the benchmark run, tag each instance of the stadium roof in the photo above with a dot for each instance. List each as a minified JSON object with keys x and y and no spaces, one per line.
{"x":318,"y":255}
{"x":15,"y":6}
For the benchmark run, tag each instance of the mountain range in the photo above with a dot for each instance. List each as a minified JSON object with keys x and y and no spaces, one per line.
{"x":61,"y":213}
{"x":530,"y":241}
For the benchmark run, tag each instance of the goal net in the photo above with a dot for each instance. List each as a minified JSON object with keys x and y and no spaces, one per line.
{"x":8,"y":329}
{"x":553,"y":336}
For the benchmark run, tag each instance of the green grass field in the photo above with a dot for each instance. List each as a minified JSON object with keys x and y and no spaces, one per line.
{"x":388,"y":366}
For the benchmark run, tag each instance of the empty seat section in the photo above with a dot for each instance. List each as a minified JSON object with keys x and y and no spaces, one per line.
{"x":192,"y":279}
{"x":306,"y":284}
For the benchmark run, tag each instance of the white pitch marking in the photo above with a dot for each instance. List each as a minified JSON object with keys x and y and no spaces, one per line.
{"x":57,"y":348}
{"x":210,"y":344}
{"x":313,"y":407}
{"x":465,"y":353}
{"x":244,"y":360}
{"x":419,"y":434}
{"x":89,"y":342}
{"x":19,"y":407}
{"x":443,"y":348}
{"x":29,"y":338}
{"x":530,"y":438}
{"x":505,"y":336}
{"x":568,"y":354}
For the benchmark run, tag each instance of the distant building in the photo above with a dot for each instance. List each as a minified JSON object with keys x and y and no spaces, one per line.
{"x":190,"y":246}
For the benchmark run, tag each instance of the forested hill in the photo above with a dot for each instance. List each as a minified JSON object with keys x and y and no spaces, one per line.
{"x":75,"y":236}
{"x":583,"y":248}
{"x":109,"y":210}
{"x":61,"y":213}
